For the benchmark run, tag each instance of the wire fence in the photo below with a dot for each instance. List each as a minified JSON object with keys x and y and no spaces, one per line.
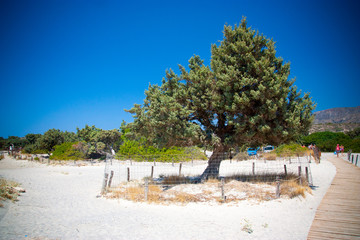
{"x":123,"y":176}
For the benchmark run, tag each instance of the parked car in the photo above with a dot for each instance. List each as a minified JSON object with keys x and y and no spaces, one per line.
{"x":268,"y":148}
{"x":251,"y":151}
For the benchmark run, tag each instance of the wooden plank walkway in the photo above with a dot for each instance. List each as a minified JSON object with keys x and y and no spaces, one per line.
{"x":338,"y":215}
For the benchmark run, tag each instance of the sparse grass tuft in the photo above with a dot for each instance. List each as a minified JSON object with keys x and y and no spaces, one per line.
{"x":293,"y":189}
{"x":7,"y":191}
{"x":269,"y":156}
{"x":175,"y":179}
{"x":241,"y":156}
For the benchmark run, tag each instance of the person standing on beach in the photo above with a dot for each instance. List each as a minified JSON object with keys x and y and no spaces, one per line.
{"x":337,"y":150}
{"x":342,"y":148}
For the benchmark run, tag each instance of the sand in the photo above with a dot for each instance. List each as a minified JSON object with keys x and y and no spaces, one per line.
{"x":61,"y":203}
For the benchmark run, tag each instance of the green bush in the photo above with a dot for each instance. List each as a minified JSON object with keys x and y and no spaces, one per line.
{"x":139,"y":152}
{"x":327,"y":141}
{"x":354,"y":145}
{"x":34,"y":149}
{"x":67,"y":151}
{"x":292,"y":149}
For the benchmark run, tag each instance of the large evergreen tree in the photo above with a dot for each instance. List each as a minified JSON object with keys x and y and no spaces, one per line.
{"x":245,"y":97}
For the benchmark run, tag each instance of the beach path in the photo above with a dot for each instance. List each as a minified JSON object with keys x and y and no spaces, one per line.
{"x":338,"y":215}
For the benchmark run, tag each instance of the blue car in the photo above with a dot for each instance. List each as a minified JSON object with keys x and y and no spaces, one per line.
{"x":251,"y":151}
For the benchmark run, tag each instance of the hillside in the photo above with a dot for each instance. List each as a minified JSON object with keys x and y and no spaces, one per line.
{"x":338,"y":115}
{"x":336,"y":120}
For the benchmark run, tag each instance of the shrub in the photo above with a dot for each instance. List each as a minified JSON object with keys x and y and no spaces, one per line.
{"x":139,"y":152}
{"x":326,"y":141}
{"x":67,"y":151}
{"x":292,"y":149}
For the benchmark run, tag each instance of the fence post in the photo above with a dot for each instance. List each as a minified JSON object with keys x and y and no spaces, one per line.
{"x":110,"y":179}
{"x":278,"y":186}
{"x":222,"y":189}
{"x":357,"y":156}
{"x":103,"y":189}
{"x":285,"y":169}
{"x":180,"y":169}
{"x":152,"y":171}
{"x":300,"y":175}
{"x":253,"y":168}
{"x":128,"y":174}
{"x":146,"y":189}
{"x":352,"y":158}
{"x":307,"y":174}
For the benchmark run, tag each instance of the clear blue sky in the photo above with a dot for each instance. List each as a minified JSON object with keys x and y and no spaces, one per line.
{"x":67,"y":63}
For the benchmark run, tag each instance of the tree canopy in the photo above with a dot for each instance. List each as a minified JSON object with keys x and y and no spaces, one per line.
{"x":245,"y":96}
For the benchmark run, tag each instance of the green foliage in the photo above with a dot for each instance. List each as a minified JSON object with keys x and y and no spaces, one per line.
{"x":354,"y":133}
{"x":34,"y":149}
{"x":138,"y":151}
{"x":88,"y":134}
{"x":245,"y":97}
{"x":68,"y":151}
{"x":50,"y":139}
{"x":292,"y":149}
{"x":32,"y":138}
{"x":15,"y":141}
{"x":354,"y":145}
{"x":99,"y":140}
{"x":327,"y":141}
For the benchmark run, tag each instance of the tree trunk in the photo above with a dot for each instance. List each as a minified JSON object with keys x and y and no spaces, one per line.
{"x":212,"y":170}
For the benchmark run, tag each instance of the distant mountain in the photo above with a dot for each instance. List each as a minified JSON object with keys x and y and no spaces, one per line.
{"x":336,"y":120}
{"x":338,"y":115}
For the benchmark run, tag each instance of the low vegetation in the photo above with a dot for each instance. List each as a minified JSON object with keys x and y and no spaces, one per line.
{"x":68,"y":151}
{"x":138,"y":151}
{"x":292,"y":149}
{"x":175,"y":189}
{"x":8,"y":191}
{"x":327,"y":141}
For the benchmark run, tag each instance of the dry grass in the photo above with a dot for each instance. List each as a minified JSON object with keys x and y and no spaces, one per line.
{"x":241,"y":156}
{"x":292,"y":188}
{"x":210,"y":191}
{"x":7,"y":191}
{"x":175,"y":179}
{"x":269,"y":156}
{"x":175,"y":189}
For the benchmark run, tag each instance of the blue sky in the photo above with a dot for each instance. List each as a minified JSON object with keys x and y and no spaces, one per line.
{"x":67,"y":63}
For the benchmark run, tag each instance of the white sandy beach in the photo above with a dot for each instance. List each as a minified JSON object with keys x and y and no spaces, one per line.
{"x":60,"y":203}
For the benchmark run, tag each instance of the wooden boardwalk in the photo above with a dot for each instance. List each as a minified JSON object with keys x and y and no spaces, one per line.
{"x":338,"y":215}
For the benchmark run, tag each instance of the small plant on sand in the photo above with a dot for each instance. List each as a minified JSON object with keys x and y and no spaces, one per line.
{"x":247,"y":227}
{"x":7,"y":191}
{"x":2,"y":156}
